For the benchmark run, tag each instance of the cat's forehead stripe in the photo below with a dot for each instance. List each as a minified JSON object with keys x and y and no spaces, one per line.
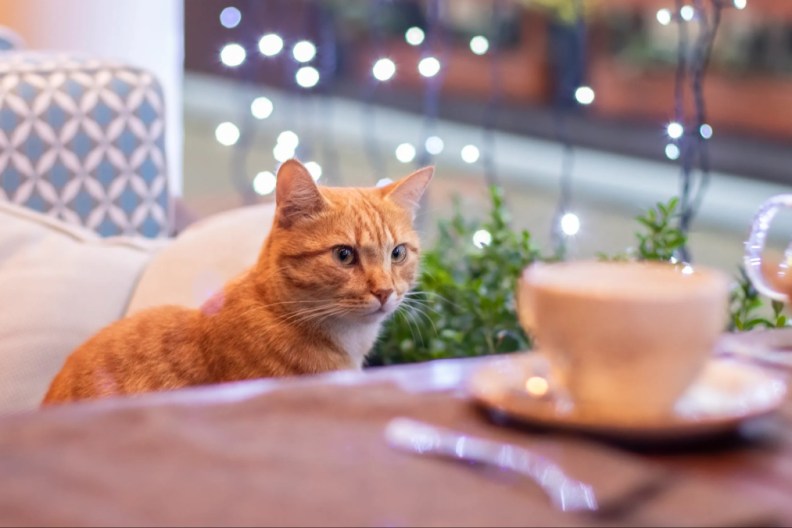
{"x":368,"y":222}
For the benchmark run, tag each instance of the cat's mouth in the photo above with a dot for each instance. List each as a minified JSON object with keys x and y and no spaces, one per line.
{"x":380,"y":311}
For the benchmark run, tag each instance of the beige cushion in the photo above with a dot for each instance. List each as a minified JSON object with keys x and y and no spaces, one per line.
{"x":59,"y":284}
{"x":203,"y":258}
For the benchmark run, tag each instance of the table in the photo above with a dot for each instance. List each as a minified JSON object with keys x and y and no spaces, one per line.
{"x":309,"y":451}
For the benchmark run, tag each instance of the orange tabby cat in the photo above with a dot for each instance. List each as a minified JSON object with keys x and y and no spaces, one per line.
{"x":336,"y":263}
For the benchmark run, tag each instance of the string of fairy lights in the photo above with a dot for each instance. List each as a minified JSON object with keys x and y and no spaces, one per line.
{"x":689,"y":136}
{"x":686,"y":143}
{"x":303,"y":51}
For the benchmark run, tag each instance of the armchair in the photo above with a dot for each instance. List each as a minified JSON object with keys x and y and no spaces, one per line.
{"x":85,"y":214}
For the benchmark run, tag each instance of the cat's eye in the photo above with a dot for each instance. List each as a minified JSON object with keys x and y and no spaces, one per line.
{"x":399,"y":253}
{"x":345,"y":255}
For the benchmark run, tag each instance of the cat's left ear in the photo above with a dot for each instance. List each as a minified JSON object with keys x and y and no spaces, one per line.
{"x":296,"y":194}
{"x":407,"y":192}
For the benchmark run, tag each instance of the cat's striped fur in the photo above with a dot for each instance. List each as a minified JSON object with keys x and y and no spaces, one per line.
{"x":328,"y":274}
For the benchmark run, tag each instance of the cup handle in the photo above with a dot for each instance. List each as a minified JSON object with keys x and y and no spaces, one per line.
{"x":755,"y":245}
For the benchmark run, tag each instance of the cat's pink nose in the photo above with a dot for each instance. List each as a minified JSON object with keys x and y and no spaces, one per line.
{"x":382,"y":295}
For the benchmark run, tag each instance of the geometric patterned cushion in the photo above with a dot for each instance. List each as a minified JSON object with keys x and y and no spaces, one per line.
{"x":83,"y":140}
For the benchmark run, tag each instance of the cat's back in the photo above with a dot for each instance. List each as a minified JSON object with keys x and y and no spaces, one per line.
{"x":156,"y":349}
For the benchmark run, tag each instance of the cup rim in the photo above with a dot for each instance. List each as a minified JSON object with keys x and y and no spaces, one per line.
{"x":687,"y":280}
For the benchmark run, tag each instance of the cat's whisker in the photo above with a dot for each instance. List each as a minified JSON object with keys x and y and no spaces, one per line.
{"x":304,"y":315}
{"x":283,"y":303}
{"x":417,"y":310}
{"x":324,"y":317}
{"x":403,"y":314}
{"x":413,"y":293}
{"x":424,"y":309}
{"x":319,"y":316}
{"x":410,"y":317}
{"x":311,"y":312}
{"x":416,"y":301}
{"x":420,"y":307}
{"x":438,"y":296}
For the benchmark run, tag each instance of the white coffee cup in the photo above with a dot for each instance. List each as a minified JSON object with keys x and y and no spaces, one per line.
{"x":623,"y":339}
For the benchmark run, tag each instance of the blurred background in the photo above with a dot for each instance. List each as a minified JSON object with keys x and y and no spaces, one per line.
{"x":587,"y":112}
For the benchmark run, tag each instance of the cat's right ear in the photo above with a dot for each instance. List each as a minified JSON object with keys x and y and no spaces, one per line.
{"x":407,"y":192}
{"x":296,"y":194}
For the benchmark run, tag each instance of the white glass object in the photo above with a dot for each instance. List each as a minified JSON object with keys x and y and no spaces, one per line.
{"x":755,"y":245}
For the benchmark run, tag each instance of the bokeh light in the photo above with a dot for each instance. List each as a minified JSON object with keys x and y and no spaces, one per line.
{"x":264,"y":183}
{"x":570,"y":224}
{"x":470,"y":154}
{"x":434,"y":145}
{"x":482,"y":238}
{"x":227,"y":133}
{"x":479,"y":45}
{"x":537,"y":386}
{"x":281,"y":152}
{"x":289,"y":139}
{"x":307,"y":76}
{"x":414,"y":36}
{"x":233,"y":55}
{"x":314,"y":169}
{"x":270,"y":44}
{"x":304,"y":51}
{"x":672,"y":151}
{"x":429,"y":66}
{"x":675,"y":130}
{"x":584,"y":95}
{"x":405,"y":153}
{"x":384,"y":69}
{"x":261,"y":107}
{"x":230,"y":17}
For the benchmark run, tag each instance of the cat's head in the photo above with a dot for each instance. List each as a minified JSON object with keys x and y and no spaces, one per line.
{"x":349,"y":253}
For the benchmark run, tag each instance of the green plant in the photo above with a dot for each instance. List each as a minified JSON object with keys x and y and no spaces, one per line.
{"x":663,"y":241}
{"x":746,"y":306}
{"x":463,"y":304}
